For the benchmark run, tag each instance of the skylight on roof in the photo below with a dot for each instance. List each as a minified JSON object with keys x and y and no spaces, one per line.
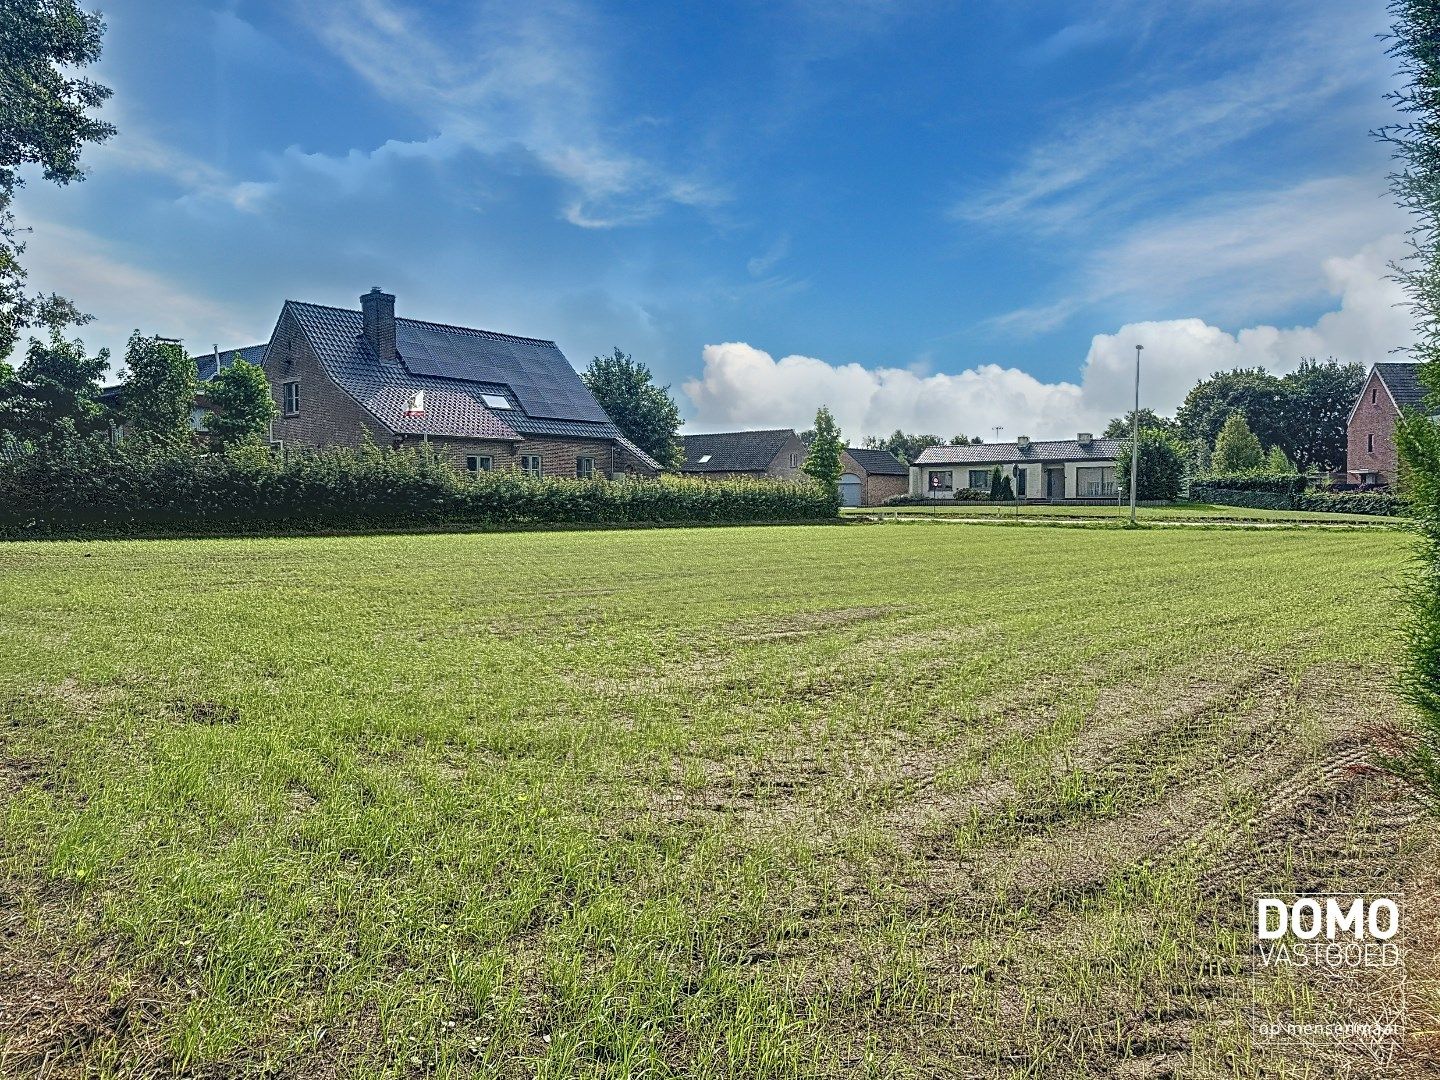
{"x":704,"y":458}
{"x":496,"y":401}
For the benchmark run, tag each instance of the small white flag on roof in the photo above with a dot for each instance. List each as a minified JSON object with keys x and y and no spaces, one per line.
{"x":415,"y":404}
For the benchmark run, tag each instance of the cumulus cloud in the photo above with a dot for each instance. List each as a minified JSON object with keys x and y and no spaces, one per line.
{"x":742,"y":386}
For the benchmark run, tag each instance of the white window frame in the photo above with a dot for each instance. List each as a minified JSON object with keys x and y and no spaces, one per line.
{"x":290,"y":389}
{"x":525,"y":466}
{"x":478,"y":463}
{"x":586,"y":473}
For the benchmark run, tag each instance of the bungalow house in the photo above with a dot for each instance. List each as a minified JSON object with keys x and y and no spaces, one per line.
{"x":483,"y":400}
{"x":1081,"y":469}
{"x":1370,"y":455}
{"x":871,"y":476}
{"x":776,"y":453}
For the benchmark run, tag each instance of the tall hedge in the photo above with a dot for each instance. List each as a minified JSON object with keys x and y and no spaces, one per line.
{"x":90,"y":488}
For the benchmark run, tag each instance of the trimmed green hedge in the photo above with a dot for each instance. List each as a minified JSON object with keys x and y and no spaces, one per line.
{"x":1339,"y":502}
{"x":90,"y":488}
{"x":1204,"y":492}
{"x":1279,"y":485}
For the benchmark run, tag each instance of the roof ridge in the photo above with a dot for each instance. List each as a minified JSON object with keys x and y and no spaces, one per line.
{"x":434,"y":325}
{"x":745,"y":431}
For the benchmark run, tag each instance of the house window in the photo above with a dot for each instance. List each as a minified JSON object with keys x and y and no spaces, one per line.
{"x":1370,"y":444}
{"x":291,"y":398}
{"x":1095,"y":483}
{"x":585,"y":468}
{"x":794,"y":460}
{"x":1374,"y":395}
{"x":530,"y":464}
{"x":479,"y":463}
{"x":941,"y":480}
{"x":979,"y":480}
{"x":1020,"y":475}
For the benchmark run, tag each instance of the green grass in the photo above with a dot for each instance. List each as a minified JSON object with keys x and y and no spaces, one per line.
{"x":1174,"y":512}
{"x":769,"y":802}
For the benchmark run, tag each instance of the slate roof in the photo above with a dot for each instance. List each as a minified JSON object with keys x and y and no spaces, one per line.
{"x":546,"y":393}
{"x":877,"y":462}
{"x":1403,"y":382}
{"x":734,"y":451}
{"x":1004,"y":453}
{"x":206,"y":368}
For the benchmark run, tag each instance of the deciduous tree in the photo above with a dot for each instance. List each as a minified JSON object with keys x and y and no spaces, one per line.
{"x":241,"y":405}
{"x":45,"y":120}
{"x":1162,"y":465}
{"x":822,"y":461}
{"x":158,"y":391}
{"x":55,"y":392}
{"x":1237,"y":448}
{"x":645,"y":412}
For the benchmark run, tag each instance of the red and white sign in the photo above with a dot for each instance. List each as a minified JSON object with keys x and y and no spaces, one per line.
{"x":415,"y":406}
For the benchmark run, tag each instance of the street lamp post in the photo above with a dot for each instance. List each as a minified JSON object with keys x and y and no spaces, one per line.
{"x":1135,"y":436}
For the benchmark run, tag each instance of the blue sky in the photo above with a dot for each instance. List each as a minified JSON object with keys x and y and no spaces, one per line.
{"x":934,"y":215}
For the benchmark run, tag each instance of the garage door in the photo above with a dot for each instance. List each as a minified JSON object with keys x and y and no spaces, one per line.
{"x":850,"y":489}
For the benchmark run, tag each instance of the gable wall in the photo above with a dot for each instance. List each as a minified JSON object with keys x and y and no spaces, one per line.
{"x":780,"y":465}
{"x":1378,"y":420}
{"x":328,"y":416}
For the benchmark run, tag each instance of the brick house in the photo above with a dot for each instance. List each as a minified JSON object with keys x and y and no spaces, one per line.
{"x":1370,"y":455}
{"x":1061,"y":470}
{"x":483,"y":400}
{"x":776,"y":453}
{"x":871,"y":476}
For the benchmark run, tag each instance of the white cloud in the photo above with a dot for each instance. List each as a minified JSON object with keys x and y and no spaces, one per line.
{"x":1234,"y":256}
{"x":742,"y":386}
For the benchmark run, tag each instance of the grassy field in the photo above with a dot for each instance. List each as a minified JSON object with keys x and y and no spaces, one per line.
{"x":865,"y":801}
{"x":1175,"y":512}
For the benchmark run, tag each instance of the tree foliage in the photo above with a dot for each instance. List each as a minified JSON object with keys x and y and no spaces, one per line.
{"x":241,"y":407}
{"x":1237,"y":448}
{"x":1120,"y":427}
{"x":822,"y":462}
{"x":1319,"y":395}
{"x":55,"y":392}
{"x":1253,"y":392}
{"x":907,"y":447}
{"x":44,"y":121}
{"x":1415,"y":141}
{"x":997,"y":484}
{"x":1162,"y":465}
{"x":158,"y":391}
{"x":645,"y":412}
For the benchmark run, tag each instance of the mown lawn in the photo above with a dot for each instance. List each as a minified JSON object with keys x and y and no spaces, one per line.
{"x":867,"y":800}
{"x":1173,"y":512}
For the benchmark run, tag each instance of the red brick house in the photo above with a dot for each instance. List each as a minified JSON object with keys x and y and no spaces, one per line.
{"x":482,"y":399}
{"x":1370,"y":455}
{"x":871,"y":476}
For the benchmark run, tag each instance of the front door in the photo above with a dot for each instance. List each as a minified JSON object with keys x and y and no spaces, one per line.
{"x":1055,"y":483}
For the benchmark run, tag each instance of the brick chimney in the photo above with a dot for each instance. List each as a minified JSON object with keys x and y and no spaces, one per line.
{"x":1023,"y":442}
{"x":378,"y":309}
